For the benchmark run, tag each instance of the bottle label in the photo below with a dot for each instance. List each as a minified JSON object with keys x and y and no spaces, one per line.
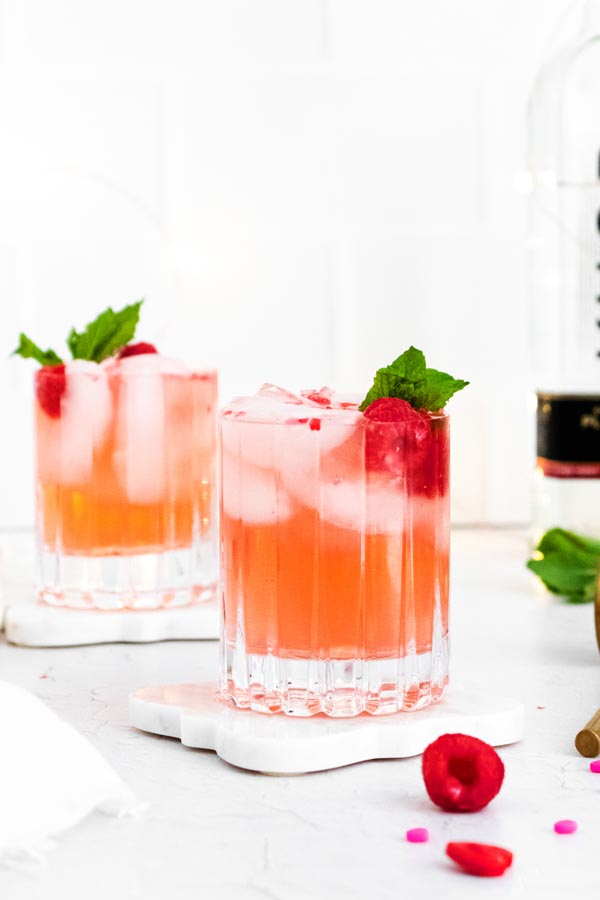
{"x":568,"y":435}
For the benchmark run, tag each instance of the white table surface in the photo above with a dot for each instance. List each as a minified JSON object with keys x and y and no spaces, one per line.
{"x":212,"y":831}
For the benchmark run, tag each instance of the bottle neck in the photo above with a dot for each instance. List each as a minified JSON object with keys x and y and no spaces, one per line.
{"x":590,"y":21}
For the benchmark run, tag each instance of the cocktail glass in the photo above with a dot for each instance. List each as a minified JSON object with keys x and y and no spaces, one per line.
{"x":125,"y":471}
{"x":334,"y":556}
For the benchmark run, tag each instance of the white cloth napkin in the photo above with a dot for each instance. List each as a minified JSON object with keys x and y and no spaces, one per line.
{"x":50,"y":776}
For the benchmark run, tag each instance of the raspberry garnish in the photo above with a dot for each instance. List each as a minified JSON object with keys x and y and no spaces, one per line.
{"x":462,"y":773}
{"x":480,"y":859}
{"x":391,"y":409}
{"x":401,"y":440}
{"x":50,"y":385}
{"x":136,"y":350}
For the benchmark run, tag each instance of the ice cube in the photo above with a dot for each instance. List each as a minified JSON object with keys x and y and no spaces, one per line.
{"x":340,"y":503}
{"x":171,"y":366}
{"x":254,"y":440}
{"x":357,"y":505}
{"x":86,"y":413}
{"x":141,"y":435}
{"x":48,"y":444}
{"x":150,"y":363}
{"x":306,"y":452}
{"x":191,"y":433}
{"x":251,"y":493}
{"x":204,"y":390}
{"x":304,"y":426}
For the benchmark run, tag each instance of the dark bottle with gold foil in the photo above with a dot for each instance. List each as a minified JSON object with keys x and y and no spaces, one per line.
{"x":564,"y":170}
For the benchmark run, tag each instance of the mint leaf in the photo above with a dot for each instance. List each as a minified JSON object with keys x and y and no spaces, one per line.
{"x":106,"y":334}
{"x":410,"y":365}
{"x":384,"y":385}
{"x":437,"y":389}
{"x":30,"y":350}
{"x":567,"y":564}
{"x":408,"y":378}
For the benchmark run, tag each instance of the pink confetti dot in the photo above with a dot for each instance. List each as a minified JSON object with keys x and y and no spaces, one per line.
{"x":417,"y":835}
{"x":595,"y":766}
{"x":565,"y":826}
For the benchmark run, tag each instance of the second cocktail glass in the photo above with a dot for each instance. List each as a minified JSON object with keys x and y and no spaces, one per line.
{"x":335,"y":547}
{"x":125,"y":474}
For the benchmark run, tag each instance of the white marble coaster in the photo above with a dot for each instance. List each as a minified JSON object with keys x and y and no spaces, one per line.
{"x":38,"y":625}
{"x":282,"y":745}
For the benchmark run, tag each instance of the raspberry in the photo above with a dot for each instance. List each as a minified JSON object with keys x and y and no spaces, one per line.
{"x":462,"y":773}
{"x":432,"y":473}
{"x":400,"y":441}
{"x":480,"y":859}
{"x":50,"y":385}
{"x":323,"y":397}
{"x":136,"y":350}
{"x":392,"y":409}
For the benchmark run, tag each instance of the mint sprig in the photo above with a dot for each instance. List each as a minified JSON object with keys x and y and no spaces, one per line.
{"x":567,"y":564}
{"x":101,"y":338}
{"x":408,"y":378}
{"x":30,"y":350}
{"x":106,"y":334}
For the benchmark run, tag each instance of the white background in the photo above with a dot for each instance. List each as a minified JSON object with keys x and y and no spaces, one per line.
{"x":299,"y":188}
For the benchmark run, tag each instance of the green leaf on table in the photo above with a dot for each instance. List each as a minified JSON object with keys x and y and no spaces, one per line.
{"x":567,"y":564}
{"x":106,"y":334}
{"x":28,"y":349}
{"x":408,"y":378}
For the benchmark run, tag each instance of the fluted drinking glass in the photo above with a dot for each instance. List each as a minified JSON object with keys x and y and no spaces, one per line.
{"x":125,"y":483}
{"x":334,"y":557}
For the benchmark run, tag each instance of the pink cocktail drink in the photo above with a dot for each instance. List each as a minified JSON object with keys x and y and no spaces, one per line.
{"x":125,"y":473}
{"x":335,"y":548}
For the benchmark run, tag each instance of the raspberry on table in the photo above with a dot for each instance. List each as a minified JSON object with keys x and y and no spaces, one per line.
{"x":484,"y":860}
{"x":461,"y":773}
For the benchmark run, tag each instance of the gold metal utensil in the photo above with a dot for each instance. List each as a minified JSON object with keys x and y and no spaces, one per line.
{"x":587,"y":741}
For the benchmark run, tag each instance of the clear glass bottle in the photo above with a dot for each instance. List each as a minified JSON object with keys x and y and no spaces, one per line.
{"x":564,"y":167}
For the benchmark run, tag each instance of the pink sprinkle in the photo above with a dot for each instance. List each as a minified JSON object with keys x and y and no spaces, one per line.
{"x":595,"y":766}
{"x":417,"y":835}
{"x":565,"y":826}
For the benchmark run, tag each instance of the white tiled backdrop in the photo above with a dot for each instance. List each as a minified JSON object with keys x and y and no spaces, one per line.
{"x":299,"y":189}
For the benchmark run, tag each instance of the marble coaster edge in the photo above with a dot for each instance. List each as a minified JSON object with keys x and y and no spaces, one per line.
{"x":212,"y":728}
{"x":31,"y":624}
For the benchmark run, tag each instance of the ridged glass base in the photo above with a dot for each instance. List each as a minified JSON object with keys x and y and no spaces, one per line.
{"x":173,"y":578}
{"x":337,"y":688}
